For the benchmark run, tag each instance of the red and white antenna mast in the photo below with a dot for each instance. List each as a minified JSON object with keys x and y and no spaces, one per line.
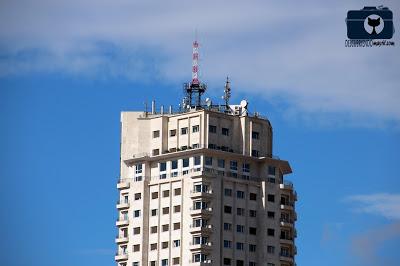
{"x":195,"y":88}
{"x":195,"y":63}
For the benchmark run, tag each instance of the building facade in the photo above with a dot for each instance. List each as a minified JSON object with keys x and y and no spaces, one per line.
{"x":201,"y":187}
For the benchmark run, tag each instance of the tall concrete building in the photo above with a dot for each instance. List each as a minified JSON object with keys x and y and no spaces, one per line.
{"x":201,"y":187}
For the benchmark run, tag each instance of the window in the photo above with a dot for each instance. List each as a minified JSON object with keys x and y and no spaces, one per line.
{"x":138,"y":169}
{"x":164,"y":262}
{"x":239,"y":263}
{"x":228,"y":192}
{"x":165,"y":210}
{"x":271,"y":215}
{"x":138,"y":178}
{"x":136,"y":230}
{"x":165,"y":193}
{"x":212,"y":146}
{"x":252,"y":248}
{"x":156,"y":134}
{"x":175,"y":261}
{"x":221,"y":163}
{"x":227,"y":227}
{"x":153,"y":246}
{"x":153,"y":263}
{"x":195,"y":145}
{"x":225,"y":131}
{"x":240,"y":228}
{"x":227,"y":244}
{"x":246,"y":168}
{"x":239,"y":246}
{"x":135,"y":263}
{"x":177,"y":191}
{"x":156,"y":152}
{"x":227,"y":261}
{"x":136,"y":248}
{"x":185,"y":162}
{"x":199,"y":187}
{"x":240,"y":194}
{"x":212,"y":129}
{"x":270,"y":264}
{"x":177,"y":226}
{"x":163,"y":166}
{"x":177,"y":208}
{"x":197,"y":160}
{"x":174,"y":165}
{"x":253,"y":231}
{"x":271,"y":249}
{"x":138,"y":196}
{"x":252,"y":263}
{"x":154,"y":212}
{"x":199,"y":257}
{"x":153,"y":229}
{"x":253,"y":196}
{"x":255,"y":153}
{"x":164,"y":245}
{"x":172,"y":133}
{"x":271,"y":232}
{"x":154,"y":195}
{"x":184,"y":130}
{"x":271,"y":198}
{"x":177,"y":243}
{"x":199,"y":223}
{"x":271,"y":170}
{"x":195,"y":128}
{"x":252,"y":213}
{"x":227,"y":209}
{"x":208,"y":161}
{"x":233,"y":165}
{"x":197,"y":205}
{"x":136,"y":213}
{"x":240,"y":211}
{"x":255,"y":135}
{"x":165,"y":227}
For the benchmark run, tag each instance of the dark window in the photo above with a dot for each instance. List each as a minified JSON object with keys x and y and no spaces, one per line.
{"x":209,"y":161}
{"x":156,"y":134}
{"x":240,"y":211}
{"x":239,"y":263}
{"x":227,"y":261}
{"x":252,"y":231}
{"x":255,"y":135}
{"x":239,"y":246}
{"x":271,"y":249}
{"x":228,"y":192}
{"x":255,"y":153}
{"x":240,"y":228}
{"x":212,"y":129}
{"x":185,"y":162}
{"x":225,"y":131}
{"x":271,"y":232}
{"x":252,"y":213}
{"x":221,"y":163}
{"x":271,"y":215}
{"x":138,"y":196}
{"x":197,"y":160}
{"x":227,"y":227}
{"x":165,"y":193}
{"x":252,"y":248}
{"x":156,"y":152}
{"x":227,"y":244}
{"x":227,"y":209}
{"x":154,"y":195}
{"x":174,"y":165}
{"x":271,"y":198}
{"x":177,"y":191}
{"x":172,"y":133}
{"x":154,"y":212}
{"x":240,"y":194}
{"x":184,"y":130}
{"x":163,"y":166}
{"x":195,"y":128}
{"x":253,"y":196}
{"x":271,"y":170}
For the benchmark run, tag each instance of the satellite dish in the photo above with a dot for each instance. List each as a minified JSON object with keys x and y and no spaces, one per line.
{"x":243,"y":104}
{"x":208,"y":102}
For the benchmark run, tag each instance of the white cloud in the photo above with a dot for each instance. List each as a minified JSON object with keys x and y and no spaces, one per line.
{"x":383,"y":204}
{"x":295,"y":51}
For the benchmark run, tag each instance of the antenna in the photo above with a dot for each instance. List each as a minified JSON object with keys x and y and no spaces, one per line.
{"x":227,"y":93}
{"x":195,"y":88}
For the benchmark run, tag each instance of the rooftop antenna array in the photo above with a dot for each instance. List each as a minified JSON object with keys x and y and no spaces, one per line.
{"x":227,"y":94}
{"x":195,"y":88}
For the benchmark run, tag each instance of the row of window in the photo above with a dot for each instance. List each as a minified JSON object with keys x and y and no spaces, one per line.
{"x":240,"y":228}
{"x":239,"y":211}
{"x":239,"y":194}
{"x":239,"y":245}
{"x":172,"y":132}
{"x":228,"y":261}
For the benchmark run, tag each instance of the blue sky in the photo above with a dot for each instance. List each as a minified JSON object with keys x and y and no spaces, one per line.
{"x":68,"y":69}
